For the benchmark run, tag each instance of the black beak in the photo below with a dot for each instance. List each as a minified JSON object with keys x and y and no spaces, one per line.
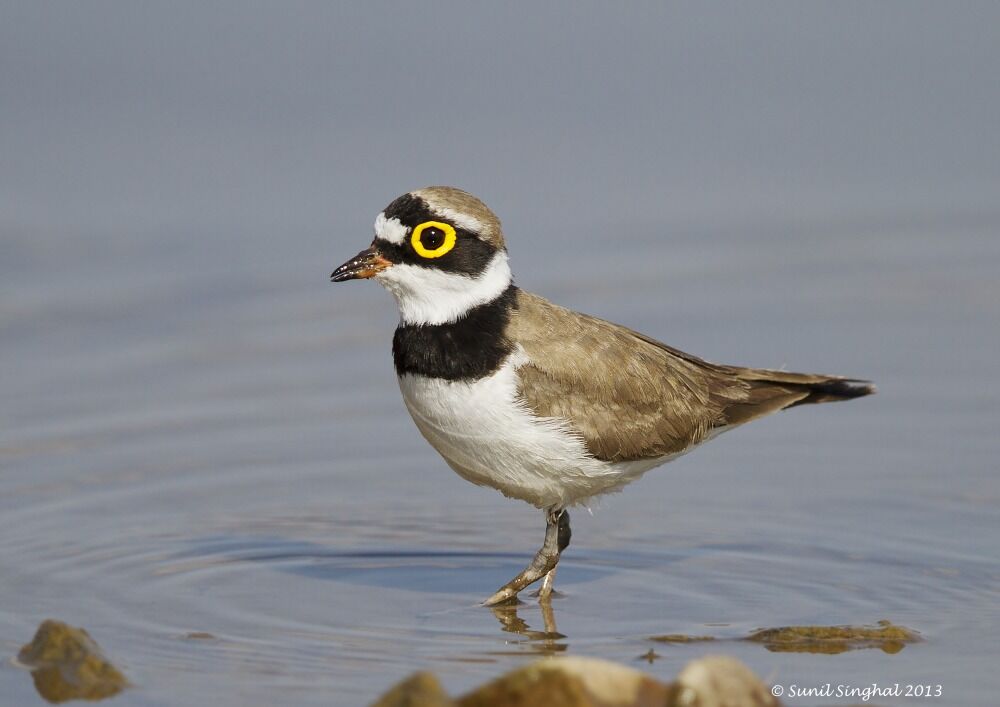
{"x":365,"y":264}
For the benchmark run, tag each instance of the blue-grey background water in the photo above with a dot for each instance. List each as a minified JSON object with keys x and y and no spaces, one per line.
{"x":200,"y":435}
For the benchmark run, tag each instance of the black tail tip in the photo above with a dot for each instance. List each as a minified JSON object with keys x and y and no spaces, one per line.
{"x":844,"y":388}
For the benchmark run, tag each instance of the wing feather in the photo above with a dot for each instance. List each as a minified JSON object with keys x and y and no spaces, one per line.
{"x":632,"y":397}
{"x":628,"y":396}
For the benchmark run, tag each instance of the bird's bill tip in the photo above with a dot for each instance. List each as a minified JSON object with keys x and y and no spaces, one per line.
{"x":368,"y":263}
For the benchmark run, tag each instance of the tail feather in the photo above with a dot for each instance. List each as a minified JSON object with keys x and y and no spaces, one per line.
{"x":771,"y":391}
{"x":833,"y":389}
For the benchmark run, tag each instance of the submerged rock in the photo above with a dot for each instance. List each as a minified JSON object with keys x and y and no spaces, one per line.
{"x":590,"y":682}
{"x":67,"y":664}
{"x":835,"y":639}
{"x":680,"y":638}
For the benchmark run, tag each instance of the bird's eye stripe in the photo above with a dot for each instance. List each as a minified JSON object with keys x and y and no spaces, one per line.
{"x":434,"y":231}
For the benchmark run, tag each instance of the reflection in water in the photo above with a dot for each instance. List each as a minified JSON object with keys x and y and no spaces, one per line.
{"x":546,"y":642}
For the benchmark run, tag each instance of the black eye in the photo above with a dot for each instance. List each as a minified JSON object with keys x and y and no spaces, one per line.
{"x":432,"y":238}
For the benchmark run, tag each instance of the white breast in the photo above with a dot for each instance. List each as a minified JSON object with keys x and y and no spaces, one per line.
{"x":488,"y":435}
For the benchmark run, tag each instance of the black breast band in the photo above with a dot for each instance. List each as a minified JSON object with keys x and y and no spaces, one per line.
{"x":468,"y":349}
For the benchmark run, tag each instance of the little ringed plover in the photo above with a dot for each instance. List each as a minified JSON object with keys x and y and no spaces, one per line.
{"x":539,"y":402}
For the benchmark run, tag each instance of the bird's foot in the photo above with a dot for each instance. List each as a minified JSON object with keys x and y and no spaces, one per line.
{"x":543,"y":565}
{"x":548,"y":581}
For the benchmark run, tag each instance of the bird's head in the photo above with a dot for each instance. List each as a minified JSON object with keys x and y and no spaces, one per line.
{"x":439,"y":251}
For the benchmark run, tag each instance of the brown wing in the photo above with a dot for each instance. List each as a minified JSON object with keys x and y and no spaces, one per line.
{"x":631,"y":397}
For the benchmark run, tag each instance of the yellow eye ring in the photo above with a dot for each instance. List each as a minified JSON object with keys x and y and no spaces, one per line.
{"x":423,"y":251}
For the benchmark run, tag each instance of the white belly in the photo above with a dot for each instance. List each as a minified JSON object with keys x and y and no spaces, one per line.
{"x":489,"y":437}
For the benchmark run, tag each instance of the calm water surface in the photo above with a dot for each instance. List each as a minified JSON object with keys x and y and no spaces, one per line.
{"x":206,"y":464}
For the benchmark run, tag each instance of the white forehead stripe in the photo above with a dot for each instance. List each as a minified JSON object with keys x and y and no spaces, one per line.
{"x":464,"y":221}
{"x":390,"y":229}
{"x":433,"y":296}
